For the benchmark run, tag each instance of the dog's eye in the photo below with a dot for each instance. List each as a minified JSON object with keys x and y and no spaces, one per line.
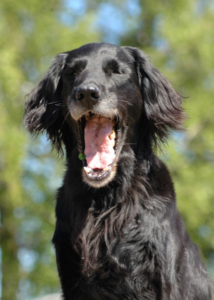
{"x":110,"y":72}
{"x":71,"y":74}
{"x":74,"y":69}
{"x":111,"y":66}
{"x":116,"y":71}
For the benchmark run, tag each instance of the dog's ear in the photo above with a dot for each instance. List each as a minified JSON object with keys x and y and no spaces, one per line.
{"x":43,"y":106}
{"x":162,"y":105}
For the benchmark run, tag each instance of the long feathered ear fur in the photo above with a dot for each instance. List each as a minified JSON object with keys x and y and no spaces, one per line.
{"x":43,"y":106}
{"x":162,"y":105}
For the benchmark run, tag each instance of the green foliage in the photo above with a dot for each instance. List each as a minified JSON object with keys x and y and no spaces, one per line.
{"x":190,"y":41}
{"x":182,"y":48}
{"x":31,"y":34}
{"x":178,"y":38}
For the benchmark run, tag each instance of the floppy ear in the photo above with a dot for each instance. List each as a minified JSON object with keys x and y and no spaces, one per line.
{"x":43,"y":106}
{"x":162,"y":104}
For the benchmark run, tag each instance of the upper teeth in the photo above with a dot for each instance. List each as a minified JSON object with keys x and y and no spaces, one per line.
{"x":87,"y":116}
{"x":112,"y":135}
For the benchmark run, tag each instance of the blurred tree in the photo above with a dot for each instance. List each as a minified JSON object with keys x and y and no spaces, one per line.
{"x":179,"y":40}
{"x":31,"y":34}
{"x":190,"y":63}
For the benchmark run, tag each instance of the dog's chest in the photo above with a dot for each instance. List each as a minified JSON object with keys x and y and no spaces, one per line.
{"x":127,"y":267}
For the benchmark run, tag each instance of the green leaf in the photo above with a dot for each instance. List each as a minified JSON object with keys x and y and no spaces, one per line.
{"x":81,"y":156}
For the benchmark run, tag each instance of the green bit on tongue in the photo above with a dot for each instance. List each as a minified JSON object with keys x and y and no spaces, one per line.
{"x":81,"y":156}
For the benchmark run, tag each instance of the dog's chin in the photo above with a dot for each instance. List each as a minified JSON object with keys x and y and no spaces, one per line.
{"x":101,"y":179}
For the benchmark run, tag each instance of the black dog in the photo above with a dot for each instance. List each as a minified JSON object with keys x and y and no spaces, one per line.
{"x":118,"y":233}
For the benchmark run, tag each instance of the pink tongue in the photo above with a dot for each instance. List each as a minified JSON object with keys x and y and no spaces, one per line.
{"x":99,"y":150}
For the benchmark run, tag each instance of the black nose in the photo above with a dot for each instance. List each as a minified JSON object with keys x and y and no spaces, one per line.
{"x":87,"y":93}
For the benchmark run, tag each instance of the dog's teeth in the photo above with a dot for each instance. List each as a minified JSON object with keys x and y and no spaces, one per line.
{"x":106,"y":169}
{"x":112,"y":143}
{"x":112,"y":135}
{"x":87,"y":170}
{"x":87,"y":117}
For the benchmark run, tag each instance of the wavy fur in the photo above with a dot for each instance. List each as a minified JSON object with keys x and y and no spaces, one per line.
{"x":124,"y":240}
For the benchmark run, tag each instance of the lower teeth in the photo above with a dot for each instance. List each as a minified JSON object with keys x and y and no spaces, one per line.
{"x":87,"y":170}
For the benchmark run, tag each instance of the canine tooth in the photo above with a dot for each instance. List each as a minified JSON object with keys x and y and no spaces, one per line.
{"x":106,"y":169}
{"x":112,"y":135}
{"x":112,"y":143}
{"x":87,"y":170}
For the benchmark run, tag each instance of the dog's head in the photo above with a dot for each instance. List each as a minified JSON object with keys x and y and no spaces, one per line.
{"x":99,"y":98}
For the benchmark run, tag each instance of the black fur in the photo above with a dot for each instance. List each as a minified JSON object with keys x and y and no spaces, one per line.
{"x":122,"y":237}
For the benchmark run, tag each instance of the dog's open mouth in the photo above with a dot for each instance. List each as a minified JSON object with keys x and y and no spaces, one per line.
{"x":99,"y":138}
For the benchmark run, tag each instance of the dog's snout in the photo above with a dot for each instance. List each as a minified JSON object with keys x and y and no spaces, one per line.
{"x":87,"y":93}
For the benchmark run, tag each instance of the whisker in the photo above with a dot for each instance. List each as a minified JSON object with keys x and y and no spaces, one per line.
{"x":65,"y":119}
{"x":125,"y":101}
{"x":121,"y":105}
{"x":55,"y":102}
{"x":58,"y":102}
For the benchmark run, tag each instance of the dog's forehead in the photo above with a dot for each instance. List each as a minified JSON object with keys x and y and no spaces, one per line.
{"x":98,"y":52}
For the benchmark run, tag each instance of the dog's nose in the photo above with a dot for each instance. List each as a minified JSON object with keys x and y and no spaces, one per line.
{"x":87,"y":93}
